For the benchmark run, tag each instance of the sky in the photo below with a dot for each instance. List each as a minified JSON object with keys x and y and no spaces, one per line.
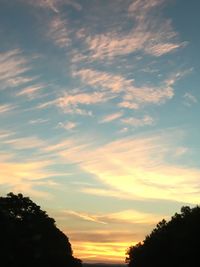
{"x":99,"y":115}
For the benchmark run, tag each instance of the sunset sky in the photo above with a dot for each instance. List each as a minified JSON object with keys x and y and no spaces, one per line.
{"x":99,"y":115}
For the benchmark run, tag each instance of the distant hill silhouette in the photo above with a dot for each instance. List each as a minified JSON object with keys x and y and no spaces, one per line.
{"x":171,"y":244}
{"x":30,"y":238}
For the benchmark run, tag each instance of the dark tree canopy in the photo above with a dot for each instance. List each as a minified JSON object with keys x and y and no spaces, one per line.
{"x":171,"y":244}
{"x":29,"y":237}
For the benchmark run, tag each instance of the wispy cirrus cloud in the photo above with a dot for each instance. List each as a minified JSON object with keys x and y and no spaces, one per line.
{"x":38,"y":121}
{"x":189,"y":99}
{"x":13,"y":67}
{"x":140,"y":39}
{"x":59,"y":32}
{"x":137,"y":97}
{"x":70,"y":103}
{"x":70,"y":125}
{"x":22,"y":143}
{"x":140,"y":8}
{"x":31,"y":91}
{"x":47,"y":4}
{"x":131,"y":96}
{"x":138,"y":122}
{"x":54,"y":5}
{"x":111,"y":117}
{"x":133,"y":166}
{"x":84,"y":216}
{"x":25,"y":174}
{"x":103,"y":236}
{"x":150,"y":35}
{"x":4,"y":134}
{"x":101,"y":79}
{"x":65,"y":146}
{"x":25,"y":177}
{"x":124,"y":216}
{"x":6,"y":108}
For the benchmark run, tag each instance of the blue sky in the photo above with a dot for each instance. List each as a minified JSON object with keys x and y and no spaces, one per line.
{"x":99,"y":107}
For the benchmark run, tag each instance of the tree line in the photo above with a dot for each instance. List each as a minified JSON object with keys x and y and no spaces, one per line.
{"x":175,"y":243}
{"x":30,"y":238}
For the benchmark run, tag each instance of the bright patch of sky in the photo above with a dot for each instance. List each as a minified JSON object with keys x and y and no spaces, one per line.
{"x":99,"y":114}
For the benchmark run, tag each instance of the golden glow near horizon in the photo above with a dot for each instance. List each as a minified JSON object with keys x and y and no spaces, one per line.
{"x":101,"y":252}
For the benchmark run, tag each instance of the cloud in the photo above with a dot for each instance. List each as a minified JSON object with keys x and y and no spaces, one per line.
{"x":150,"y":35}
{"x":13,"y":67}
{"x":27,"y":176}
{"x":118,"y":84}
{"x":189,"y":99}
{"x":132,"y":217}
{"x":59,"y":32}
{"x":70,"y":103}
{"x":15,"y":173}
{"x":47,"y":4}
{"x":22,"y":143}
{"x":38,"y":121}
{"x":6,"y":108}
{"x":139,"y":39}
{"x":137,"y":97}
{"x":84,"y":216}
{"x":133,"y":97}
{"x":138,"y":167}
{"x":66,"y":146}
{"x":162,"y":48}
{"x":105,"y":86}
{"x":103,"y":236}
{"x":140,"y":8}
{"x":100,"y":79}
{"x":5,"y":134}
{"x":111,"y":117}
{"x":146,"y":120}
{"x":128,"y":104}
{"x":54,"y":5}
{"x":81,"y":98}
{"x":70,"y":125}
{"x":31,"y":91}
{"x":74,"y":4}
{"x":124,"y":216}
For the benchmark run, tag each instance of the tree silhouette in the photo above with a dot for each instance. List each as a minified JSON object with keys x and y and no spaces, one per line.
{"x":171,"y":244}
{"x":29,"y":237}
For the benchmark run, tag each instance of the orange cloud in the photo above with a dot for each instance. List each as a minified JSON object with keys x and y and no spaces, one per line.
{"x":111,"y":117}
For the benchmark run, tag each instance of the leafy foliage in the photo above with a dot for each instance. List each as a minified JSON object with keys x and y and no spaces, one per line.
{"x":171,"y":244}
{"x":29,"y":237}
